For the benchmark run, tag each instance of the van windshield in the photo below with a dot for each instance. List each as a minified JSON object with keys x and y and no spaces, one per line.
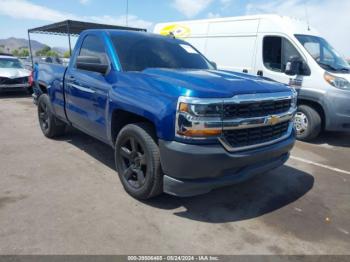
{"x":137,"y":52}
{"x":323,"y":53}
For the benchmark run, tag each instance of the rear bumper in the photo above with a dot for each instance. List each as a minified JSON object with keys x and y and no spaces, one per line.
{"x":198,"y":169}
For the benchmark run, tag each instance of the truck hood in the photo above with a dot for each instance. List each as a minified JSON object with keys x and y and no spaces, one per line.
{"x":211,"y":83}
{"x":14,"y":72}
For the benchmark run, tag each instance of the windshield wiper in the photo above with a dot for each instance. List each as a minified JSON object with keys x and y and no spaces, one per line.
{"x":328,"y":66}
{"x":344,"y":69}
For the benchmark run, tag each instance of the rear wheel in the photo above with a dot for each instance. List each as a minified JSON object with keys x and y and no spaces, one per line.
{"x":49,"y":124}
{"x":308,"y":123}
{"x":138,"y":161}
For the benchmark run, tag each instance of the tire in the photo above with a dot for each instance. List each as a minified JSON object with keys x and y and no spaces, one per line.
{"x":308,"y":123}
{"x":49,"y":124}
{"x":137,"y":161}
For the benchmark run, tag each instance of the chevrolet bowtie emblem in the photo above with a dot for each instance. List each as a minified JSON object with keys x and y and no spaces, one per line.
{"x":273,"y":120}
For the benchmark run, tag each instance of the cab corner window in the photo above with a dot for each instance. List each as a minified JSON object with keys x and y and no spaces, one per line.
{"x":277,"y":51}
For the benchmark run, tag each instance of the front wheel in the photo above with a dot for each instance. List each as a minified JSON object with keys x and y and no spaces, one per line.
{"x":138,"y":162}
{"x":308,"y":123}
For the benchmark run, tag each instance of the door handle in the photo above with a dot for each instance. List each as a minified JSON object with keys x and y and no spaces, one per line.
{"x":260,"y":73}
{"x":84,"y":89}
{"x":72,"y":78}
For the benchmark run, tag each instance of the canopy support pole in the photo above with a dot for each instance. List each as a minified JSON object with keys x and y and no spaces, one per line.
{"x":30,"y":50}
{"x":70,"y":47}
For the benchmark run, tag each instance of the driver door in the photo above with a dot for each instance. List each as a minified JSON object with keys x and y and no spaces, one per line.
{"x":87,"y":90}
{"x":274,"y":51}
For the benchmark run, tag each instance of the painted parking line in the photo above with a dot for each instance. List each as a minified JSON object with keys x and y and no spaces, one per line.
{"x":320,"y":165}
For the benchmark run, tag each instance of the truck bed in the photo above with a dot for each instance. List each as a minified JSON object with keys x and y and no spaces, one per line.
{"x":51,"y":78}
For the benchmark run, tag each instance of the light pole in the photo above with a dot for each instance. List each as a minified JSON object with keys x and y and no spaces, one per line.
{"x":127,"y":12}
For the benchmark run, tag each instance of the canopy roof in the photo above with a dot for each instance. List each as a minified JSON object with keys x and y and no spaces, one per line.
{"x":71,"y":27}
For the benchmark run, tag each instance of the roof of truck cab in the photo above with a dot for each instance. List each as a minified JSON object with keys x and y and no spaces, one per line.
{"x":136,"y":33}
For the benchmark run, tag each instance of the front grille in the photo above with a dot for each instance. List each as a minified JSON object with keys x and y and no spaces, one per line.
{"x":14,"y":81}
{"x":256,"y":109}
{"x":255,"y":136}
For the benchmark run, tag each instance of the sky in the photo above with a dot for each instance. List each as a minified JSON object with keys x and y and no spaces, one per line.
{"x":330,"y":17}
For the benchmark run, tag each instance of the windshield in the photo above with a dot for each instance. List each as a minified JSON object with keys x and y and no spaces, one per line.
{"x":141,"y":51}
{"x":10,"y":63}
{"x":324,"y":54}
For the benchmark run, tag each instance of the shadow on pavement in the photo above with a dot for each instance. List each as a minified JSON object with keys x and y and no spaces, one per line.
{"x":98,"y":150}
{"x":254,"y":198}
{"x":263,"y":194}
{"x":339,"y":139}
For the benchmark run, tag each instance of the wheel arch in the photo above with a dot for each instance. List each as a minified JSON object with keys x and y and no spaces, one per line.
{"x":121,"y":118}
{"x":317,"y":106}
{"x":42,"y":87}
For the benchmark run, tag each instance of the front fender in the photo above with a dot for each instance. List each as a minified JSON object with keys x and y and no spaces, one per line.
{"x":157,"y":108}
{"x":315,"y":95}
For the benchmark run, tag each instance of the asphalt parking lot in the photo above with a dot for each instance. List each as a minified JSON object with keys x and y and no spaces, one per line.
{"x":64,"y":197}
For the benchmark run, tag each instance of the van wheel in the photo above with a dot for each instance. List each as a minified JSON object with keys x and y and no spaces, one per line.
{"x":138,"y":161}
{"x":49,"y":124}
{"x":308,"y":123}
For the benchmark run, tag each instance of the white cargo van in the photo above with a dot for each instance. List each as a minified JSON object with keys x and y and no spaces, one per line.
{"x":282,"y":49}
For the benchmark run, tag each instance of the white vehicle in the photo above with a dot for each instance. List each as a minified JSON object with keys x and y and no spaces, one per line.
{"x":13,"y":75}
{"x":282,"y":49}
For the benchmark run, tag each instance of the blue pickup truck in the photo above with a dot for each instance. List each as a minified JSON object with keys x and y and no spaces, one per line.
{"x":177,"y":125}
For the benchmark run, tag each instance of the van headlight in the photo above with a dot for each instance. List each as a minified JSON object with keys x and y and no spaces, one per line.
{"x":336,"y":81}
{"x":198,"y":118}
{"x":294,"y":98}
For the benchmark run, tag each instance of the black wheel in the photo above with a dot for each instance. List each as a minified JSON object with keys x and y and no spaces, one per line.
{"x":138,"y":162}
{"x":308,"y":123}
{"x":49,"y":124}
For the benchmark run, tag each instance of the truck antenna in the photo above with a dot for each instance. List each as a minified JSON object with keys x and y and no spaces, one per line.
{"x":171,"y":34}
{"x":307,"y":17}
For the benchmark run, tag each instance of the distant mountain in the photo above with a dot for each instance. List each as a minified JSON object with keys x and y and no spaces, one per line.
{"x":59,"y":50}
{"x":12,"y":43}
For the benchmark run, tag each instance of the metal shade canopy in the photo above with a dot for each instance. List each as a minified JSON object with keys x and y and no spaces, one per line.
{"x":73,"y":28}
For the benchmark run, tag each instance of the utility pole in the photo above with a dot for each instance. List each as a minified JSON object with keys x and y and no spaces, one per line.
{"x":127,"y":12}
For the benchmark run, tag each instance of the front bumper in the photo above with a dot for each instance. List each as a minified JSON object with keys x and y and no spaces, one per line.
{"x":338,"y":115}
{"x":16,"y":87}
{"x":197,"y":169}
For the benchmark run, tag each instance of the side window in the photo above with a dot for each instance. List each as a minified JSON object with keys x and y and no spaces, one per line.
{"x":276,"y":53}
{"x":94,"y":47}
{"x":272,"y":53}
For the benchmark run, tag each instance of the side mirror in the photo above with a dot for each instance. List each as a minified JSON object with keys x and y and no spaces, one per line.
{"x":91,"y":63}
{"x":214,"y":65}
{"x":294,"y":66}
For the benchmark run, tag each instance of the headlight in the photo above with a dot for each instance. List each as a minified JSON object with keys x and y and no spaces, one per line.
{"x":337,"y":82}
{"x":294,"y":98}
{"x":209,"y":110}
{"x":198,"y":118}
